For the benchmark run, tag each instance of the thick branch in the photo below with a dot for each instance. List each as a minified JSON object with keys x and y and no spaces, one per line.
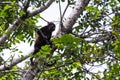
{"x":7,"y":65}
{"x":75,"y":13}
{"x":31,"y":73}
{"x":9,"y":30}
{"x":40,"y":9}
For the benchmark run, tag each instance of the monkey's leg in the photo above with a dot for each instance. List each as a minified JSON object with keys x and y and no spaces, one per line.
{"x":35,"y":51}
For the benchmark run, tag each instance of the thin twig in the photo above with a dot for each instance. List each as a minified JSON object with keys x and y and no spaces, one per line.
{"x":44,"y":19}
{"x":66,"y":9}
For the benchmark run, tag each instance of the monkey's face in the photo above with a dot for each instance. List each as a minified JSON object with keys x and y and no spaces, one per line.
{"x":51,"y":26}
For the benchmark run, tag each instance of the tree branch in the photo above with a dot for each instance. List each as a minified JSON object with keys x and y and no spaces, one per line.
{"x":9,"y":30}
{"x":2,"y":3}
{"x":41,"y":9}
{"x":7,"y":65}
{"x":77,"y":10}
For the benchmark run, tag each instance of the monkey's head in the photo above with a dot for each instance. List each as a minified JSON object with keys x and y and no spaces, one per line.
{"x":51,"y":26}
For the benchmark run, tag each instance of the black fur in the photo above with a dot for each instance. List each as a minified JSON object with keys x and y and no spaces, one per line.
{"x":43,"y":37}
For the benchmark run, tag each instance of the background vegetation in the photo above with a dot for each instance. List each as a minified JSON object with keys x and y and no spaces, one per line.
{"x":88,"y":50}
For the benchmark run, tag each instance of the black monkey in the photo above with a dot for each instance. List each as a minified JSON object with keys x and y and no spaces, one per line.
{"x":43,"y":37}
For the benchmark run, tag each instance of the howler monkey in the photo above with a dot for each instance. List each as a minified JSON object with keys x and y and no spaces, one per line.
{"x":43,"y":37}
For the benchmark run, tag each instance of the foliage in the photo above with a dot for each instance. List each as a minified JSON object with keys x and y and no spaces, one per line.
{"x":14,"y":74}
{"x":93,"y":44}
